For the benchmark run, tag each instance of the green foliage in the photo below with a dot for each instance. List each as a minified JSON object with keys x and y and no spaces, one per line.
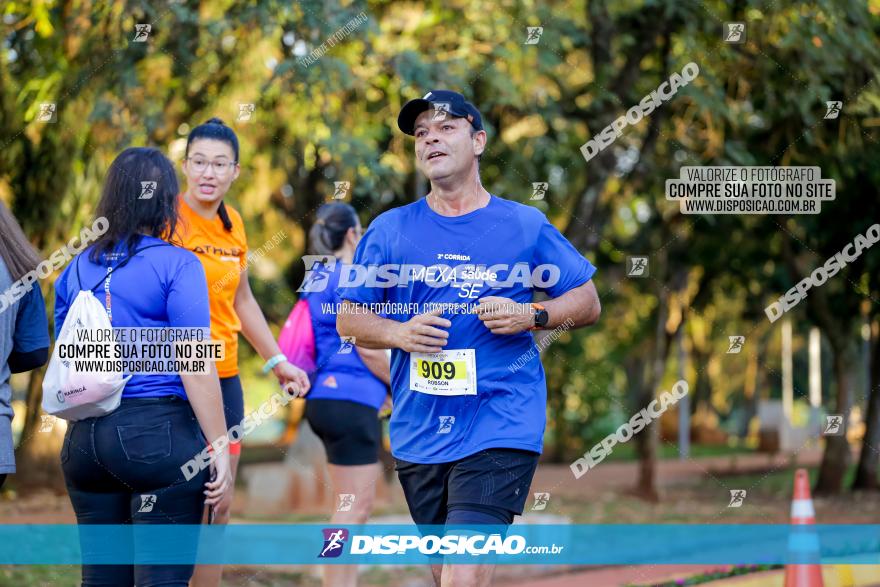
{"x":761,"y":103}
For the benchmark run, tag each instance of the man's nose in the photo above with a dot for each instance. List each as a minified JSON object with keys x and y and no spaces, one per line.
{"x":430,"y":135}
{"x":429,"y":140}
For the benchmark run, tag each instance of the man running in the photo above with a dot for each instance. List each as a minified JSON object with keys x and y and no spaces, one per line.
{"x":468,"y":419}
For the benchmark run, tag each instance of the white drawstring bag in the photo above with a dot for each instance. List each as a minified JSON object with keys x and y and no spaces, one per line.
{"x":76,"y":395}
{"x":72,"y":394}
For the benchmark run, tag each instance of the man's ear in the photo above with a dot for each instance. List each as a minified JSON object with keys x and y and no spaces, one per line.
{"x":479,"y":142}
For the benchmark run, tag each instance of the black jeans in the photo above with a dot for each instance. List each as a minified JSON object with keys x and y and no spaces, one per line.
{"x":124,"y":468}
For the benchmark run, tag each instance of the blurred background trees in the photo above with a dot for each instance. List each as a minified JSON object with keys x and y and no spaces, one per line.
{"x":332,"y":118}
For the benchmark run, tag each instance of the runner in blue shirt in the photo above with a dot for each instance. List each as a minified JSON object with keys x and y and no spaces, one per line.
{"x":468,"y":387}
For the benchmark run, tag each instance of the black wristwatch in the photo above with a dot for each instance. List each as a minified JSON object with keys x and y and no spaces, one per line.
{"x":541,"y":316}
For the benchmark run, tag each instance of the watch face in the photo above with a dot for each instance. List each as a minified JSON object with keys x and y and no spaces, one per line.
{"x":541,"y":318}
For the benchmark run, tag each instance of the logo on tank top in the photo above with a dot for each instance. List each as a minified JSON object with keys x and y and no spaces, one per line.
{"x":235,"y":252}
{"x":330,"y":382}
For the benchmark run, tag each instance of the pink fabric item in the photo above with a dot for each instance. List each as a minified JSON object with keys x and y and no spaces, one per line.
{"x":297,"y":339}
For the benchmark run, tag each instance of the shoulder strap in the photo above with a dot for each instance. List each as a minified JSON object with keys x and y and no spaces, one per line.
{"x":78,"y":279}
{"x":124,"y":261}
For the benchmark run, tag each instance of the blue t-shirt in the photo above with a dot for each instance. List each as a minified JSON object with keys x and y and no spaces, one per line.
{"x":161,"y":287}
{"x":341,"y":373}
{"x":513,"y":243}
{"x":23,"y":329}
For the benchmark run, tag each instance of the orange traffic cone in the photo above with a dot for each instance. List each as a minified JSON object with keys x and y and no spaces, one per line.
{"x":803,"y":545}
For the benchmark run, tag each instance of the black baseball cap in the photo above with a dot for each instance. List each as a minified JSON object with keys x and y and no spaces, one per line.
{"x":452,"y":102}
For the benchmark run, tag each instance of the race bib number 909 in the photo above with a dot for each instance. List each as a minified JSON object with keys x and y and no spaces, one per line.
{"x":450,"y":372}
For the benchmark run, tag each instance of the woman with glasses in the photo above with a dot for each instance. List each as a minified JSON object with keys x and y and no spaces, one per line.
{"x":215,"y":233}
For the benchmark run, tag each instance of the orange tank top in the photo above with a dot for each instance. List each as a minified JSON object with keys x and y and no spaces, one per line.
{"x":224,"y":256}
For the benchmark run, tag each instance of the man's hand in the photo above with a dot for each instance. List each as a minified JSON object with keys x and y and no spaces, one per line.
{"x":422,"y":333}
{"x":505,"y":316}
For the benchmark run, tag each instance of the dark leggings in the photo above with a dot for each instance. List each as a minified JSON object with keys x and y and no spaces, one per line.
{"x":124,"y":468}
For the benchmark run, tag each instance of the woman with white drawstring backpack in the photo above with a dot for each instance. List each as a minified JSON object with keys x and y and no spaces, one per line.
{"x":132,"y":433}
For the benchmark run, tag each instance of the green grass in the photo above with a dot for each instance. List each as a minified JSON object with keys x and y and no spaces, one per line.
{"x":39,"y":576}
{"x":778,"y":483}
{"x":627,"y":452}
{"x":705,"y":501}
{"x":266,"y":577}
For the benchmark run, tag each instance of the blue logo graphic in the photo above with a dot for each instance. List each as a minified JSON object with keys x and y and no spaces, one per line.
{"x":334,"y":541}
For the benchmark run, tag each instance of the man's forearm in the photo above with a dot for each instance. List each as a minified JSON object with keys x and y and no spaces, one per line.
{"x":377,"y":362}
{"x":580,"y":305}
{"x":369,"y":330}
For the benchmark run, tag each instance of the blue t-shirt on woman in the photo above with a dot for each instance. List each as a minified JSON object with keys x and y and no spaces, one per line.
{"x":161,"y":287}
{"x":341,"y":374}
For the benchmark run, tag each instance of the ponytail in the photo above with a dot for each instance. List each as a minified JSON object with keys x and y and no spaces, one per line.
{"x":332,"y":224}
{"x":224,"y":217}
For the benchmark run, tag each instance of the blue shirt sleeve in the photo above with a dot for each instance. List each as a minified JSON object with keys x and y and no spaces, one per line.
{"x":554,"y":249}
{"x":31,"y":326}
{"x":187,"y":302}
{"x":371,"y":252}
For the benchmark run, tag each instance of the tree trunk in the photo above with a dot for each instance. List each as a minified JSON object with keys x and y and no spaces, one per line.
{"x":866,"y":473}
{"x":838,"y":327}
{"x":751,"y":389}
{"x":648,"y":439}
{"x":558,"y":451}
{"x":837,"y":454}
{"x":702,"y":390}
